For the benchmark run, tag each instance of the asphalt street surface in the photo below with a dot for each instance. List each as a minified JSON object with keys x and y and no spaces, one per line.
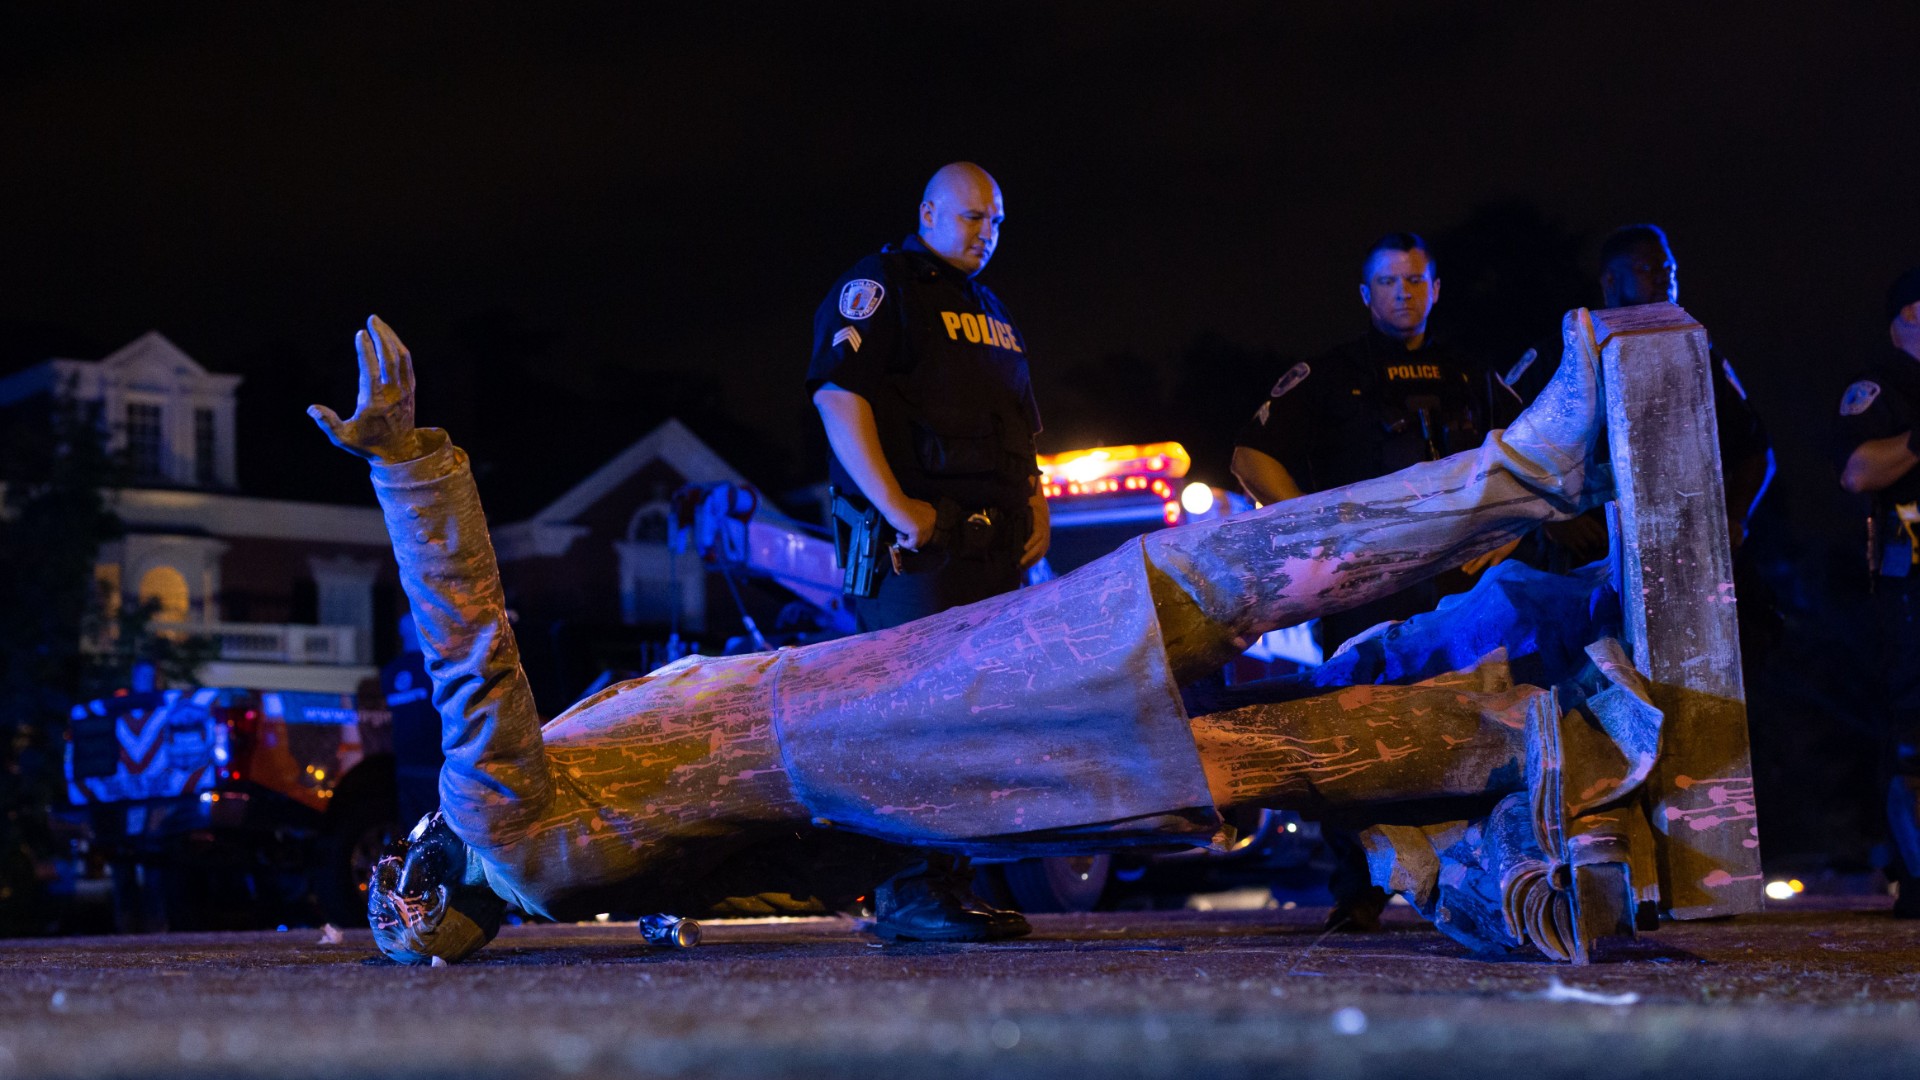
{"x":1803,"y":990}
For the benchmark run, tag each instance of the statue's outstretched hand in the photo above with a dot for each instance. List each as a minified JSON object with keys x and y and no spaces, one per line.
{"x":381,"y":428}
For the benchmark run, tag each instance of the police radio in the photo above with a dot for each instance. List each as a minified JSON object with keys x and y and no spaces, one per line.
{"x":1425,"y":406}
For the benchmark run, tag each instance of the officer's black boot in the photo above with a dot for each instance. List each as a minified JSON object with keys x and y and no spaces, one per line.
{"x":1357,"y":901}
{"x":933,"y":900}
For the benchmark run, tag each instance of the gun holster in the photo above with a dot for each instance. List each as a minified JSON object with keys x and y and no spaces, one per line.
{"x":857,"y":545}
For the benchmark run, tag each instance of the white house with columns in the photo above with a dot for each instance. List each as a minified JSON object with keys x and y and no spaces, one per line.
{"x":193,"y":542}
{"x":221,"y":564}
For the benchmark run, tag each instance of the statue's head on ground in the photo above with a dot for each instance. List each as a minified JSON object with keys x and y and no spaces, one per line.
{"x":428,"y":899}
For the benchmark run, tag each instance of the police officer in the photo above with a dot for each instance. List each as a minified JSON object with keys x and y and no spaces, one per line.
{"x":921,"y":380}
{"x":1637,"y":267}
{"x":1386,"y":400}
{"x":1879,"y":432}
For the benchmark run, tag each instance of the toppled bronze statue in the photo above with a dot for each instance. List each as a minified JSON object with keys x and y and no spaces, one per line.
{"x":1049,"y":720}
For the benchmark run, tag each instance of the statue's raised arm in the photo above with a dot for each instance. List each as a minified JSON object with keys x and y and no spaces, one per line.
{"x":496,"y":778}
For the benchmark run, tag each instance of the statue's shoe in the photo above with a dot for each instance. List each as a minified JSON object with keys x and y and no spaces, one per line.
{"x":1552,"y":866}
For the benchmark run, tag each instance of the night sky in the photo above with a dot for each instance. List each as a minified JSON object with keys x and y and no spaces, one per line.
{"x":584,"y":217}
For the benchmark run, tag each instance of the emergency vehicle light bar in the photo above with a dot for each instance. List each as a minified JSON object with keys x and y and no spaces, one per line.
{"x":1102,"y":469}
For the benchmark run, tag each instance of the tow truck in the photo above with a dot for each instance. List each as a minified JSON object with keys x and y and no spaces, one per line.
{"x":225,"y":805}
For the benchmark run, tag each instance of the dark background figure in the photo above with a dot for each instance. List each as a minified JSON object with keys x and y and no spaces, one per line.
{"x":1386,"y":400}
{"x":1808,"y":774}
{"x":416,"y":728}
{"x":1637,"y":267}
{"x":1877,"y":429}
{"x":921,"y":380}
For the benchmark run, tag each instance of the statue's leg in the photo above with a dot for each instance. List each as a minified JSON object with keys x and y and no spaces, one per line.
{"x":1460,"y":734}
{"x":1427,"y":710}
{"x":1551,"y":866}
{"x":1219,"y":585}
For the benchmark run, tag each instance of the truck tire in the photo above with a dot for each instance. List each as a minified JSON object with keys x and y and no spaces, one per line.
{"x":362,"y":821}
{"x":1063,"y":883}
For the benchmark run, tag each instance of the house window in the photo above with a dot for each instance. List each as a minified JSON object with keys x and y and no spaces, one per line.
{"x":203,"y":448}
{"x":144,"y":441}
{"x":166,"y":589}
{"x":649,"y":526}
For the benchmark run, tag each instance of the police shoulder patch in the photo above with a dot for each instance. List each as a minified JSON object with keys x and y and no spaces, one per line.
{"x":1859,"y":397}
{"x":860,"y":298}
{"x":1295,"y":375}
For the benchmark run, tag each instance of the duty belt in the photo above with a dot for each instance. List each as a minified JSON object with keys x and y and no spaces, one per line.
{"x":859,"y":534}
{"x":960,"y":533}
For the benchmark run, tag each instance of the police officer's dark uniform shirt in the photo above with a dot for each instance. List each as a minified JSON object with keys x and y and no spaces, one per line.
{"x":1365,"y":409}
{"x":1880,"y":402}
{"x":944,"y":369}
{"x":1362,"y":410}
{"x":1884,"y":400}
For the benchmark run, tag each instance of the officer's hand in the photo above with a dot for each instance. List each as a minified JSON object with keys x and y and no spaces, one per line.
{"x":1584,"y":537}
{"x":1497,"y":555}
{"x":913,"y":521}
{"x":1041,"y":538}
{"x":381,"y":428}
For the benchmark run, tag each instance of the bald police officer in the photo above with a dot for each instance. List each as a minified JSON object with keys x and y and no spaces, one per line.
{"x":1879,"y":429}
{"x":920,"y":377}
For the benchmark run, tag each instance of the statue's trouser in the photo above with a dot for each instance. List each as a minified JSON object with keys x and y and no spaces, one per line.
{"x":1219,"y":585}
{"x":1081,"y":674}
{"x":1459,"y":735}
